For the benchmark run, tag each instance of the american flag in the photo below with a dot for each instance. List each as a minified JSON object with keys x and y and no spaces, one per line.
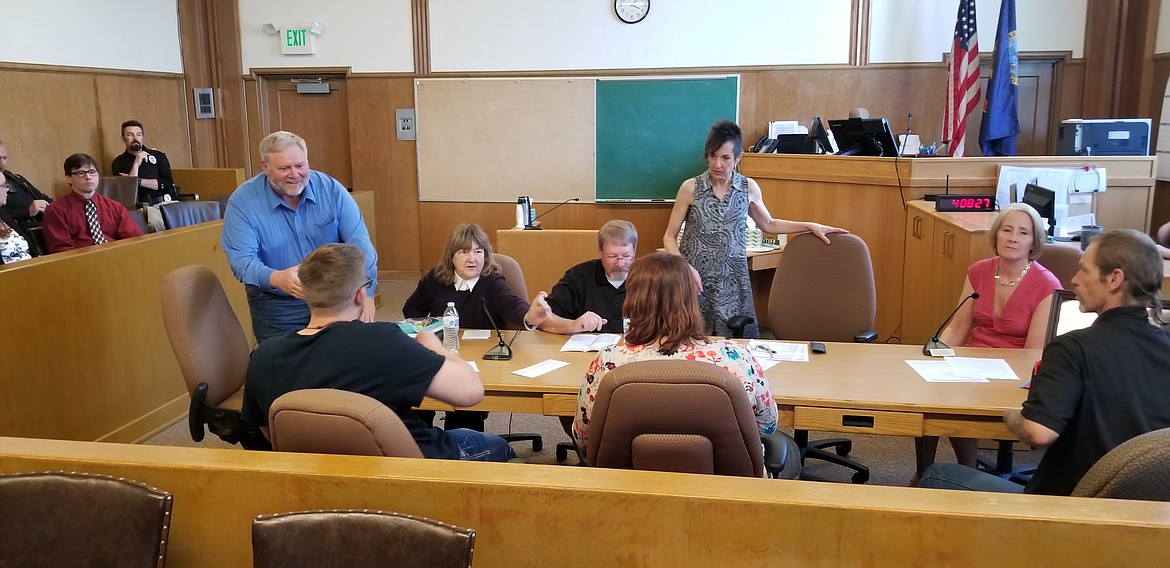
{"x":962,"y":78}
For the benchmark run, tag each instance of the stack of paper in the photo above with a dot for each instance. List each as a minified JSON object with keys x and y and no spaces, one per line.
{"x":963,"y":370}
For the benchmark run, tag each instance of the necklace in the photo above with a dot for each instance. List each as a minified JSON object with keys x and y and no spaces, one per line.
{"x":1023,"y":273}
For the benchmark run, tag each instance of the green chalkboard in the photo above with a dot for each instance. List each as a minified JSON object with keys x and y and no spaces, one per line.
{"x":650,"y":132}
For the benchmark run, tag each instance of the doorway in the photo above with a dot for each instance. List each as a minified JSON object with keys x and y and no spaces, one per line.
{"x":315,"y":107}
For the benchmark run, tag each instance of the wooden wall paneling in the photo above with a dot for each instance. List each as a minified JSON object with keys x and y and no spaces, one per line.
{"x":1137,"y":51}
{"x":531,"y":515}
{"x":830,"y":92}
{"x":385,"y":165}
{"x":1119,"y":46}
{"x":255,"y":134}
{"x":194,"y":35}
{"x":48,"y":115}
{"x":227,"y":55}
{"x":94,"y":360}
{"x":209,"y":32}
{"x":1102,"y":23}
{"x":159,"y":103}
{"x":1035,"y":84}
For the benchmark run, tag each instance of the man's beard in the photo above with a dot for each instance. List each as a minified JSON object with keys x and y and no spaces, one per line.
{"x":135,"y":147}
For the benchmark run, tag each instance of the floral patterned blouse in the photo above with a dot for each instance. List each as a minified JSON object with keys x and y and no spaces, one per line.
{"x":13,"y":247}
{"x":726,"y":354}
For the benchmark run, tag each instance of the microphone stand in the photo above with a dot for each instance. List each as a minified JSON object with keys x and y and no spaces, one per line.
{"x":535,"y":224}
{"x":906,"y":137}
{"x":934,"y":343}
{"x":502,"y":351}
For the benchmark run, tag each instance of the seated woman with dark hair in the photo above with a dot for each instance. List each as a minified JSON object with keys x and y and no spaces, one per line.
{"x":665,"y":323}
{"x":468,"y":276}
{"x":1015,"y":297}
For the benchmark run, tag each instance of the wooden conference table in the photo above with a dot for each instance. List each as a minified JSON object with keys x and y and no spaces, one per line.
{"x":852,"y":388}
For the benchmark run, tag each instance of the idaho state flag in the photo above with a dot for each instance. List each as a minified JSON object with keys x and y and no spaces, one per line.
{"x":1001,"y":123}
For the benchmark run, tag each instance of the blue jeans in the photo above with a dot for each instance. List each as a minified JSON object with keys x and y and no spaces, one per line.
{"x":955,"y":476}
{"x":274,"y":314}
{"x":481,"y":446}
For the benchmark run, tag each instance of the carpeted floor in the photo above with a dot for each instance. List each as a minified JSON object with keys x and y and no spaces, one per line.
{"x":890,"y":459}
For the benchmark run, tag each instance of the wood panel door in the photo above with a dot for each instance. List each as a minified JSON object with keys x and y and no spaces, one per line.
{"x":322,"y":119}
{"x":1034,"y":108}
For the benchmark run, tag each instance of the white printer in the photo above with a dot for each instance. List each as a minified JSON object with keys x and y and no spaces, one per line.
{"x":1104,"y":137}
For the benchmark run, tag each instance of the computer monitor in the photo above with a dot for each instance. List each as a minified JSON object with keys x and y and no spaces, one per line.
{"x":864,"y":137}
{"x":790,"y":143}
{"x":820,"y":136}
{"x":1043,"y":200}
{"x":1066,"y":315}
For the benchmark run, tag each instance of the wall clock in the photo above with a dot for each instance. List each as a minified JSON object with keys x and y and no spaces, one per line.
{"x":631,"y":11}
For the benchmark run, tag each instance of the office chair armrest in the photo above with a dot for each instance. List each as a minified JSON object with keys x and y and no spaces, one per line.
{"x":781,"y":456}
{"x":865,"y":337}
{"x":188,"y":197}
{"x":736,"y":325}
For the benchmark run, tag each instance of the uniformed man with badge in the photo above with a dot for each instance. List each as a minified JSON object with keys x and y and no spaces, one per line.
{"x":151,"y":166}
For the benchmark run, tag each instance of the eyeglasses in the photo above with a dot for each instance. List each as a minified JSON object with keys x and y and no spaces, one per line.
{"x":84,"y":173}
{"x":368,"y":282}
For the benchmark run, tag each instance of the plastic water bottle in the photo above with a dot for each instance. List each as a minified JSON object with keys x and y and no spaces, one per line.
{"x":451,"y":328}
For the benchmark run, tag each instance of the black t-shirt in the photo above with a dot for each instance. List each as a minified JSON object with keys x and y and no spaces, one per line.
{"x":157,"y":167}
{"x":374,"y":359}
{"x":1098,"y":387}
{"x":584,"y":288}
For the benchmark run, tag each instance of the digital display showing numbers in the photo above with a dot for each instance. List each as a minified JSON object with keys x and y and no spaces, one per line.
{"x":965,"y":203}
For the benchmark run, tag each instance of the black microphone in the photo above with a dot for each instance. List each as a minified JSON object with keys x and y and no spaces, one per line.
{"x":501,"y":352}
{"x":535,"y":224}
{"x":909,"y":121}
{"x":934,"y":343}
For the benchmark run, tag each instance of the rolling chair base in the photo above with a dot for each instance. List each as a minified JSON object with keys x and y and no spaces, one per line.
{"x":818,"y":449}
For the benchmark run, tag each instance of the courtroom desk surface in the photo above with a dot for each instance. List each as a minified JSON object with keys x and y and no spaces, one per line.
{"x":864,"y":376}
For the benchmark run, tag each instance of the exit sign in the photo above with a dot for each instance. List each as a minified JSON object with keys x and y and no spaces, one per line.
{"x":297,"y":41}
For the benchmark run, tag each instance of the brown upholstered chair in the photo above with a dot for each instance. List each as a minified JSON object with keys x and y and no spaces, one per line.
{"x":212,"y":352}
{"x":358,"y":539}
{"x":513,"y":275}
{"x":331,"y":421}
{"x":81,"y":519}
{"x":825,"y":293}
{"x":1062,"y":262}
{"x":177,"y":214}
{"x":1137,"y":469}
{"x":681,"y":416}
{"x":123,"y":189}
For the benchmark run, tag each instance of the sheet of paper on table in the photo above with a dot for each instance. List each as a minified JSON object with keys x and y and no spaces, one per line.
{"x":978,"y":367}
{"x":939,"y":372}
{"x":778,"y":351}
{"x":540,"y":368}
{"x":472,"y":334}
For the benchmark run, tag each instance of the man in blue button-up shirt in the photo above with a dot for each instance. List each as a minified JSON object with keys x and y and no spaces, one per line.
{"x":276,"y":219}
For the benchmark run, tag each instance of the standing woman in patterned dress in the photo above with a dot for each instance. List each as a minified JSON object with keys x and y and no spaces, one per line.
{"x":715,"y":205}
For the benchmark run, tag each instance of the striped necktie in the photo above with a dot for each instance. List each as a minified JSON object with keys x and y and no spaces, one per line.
{"x":95,"y":229}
